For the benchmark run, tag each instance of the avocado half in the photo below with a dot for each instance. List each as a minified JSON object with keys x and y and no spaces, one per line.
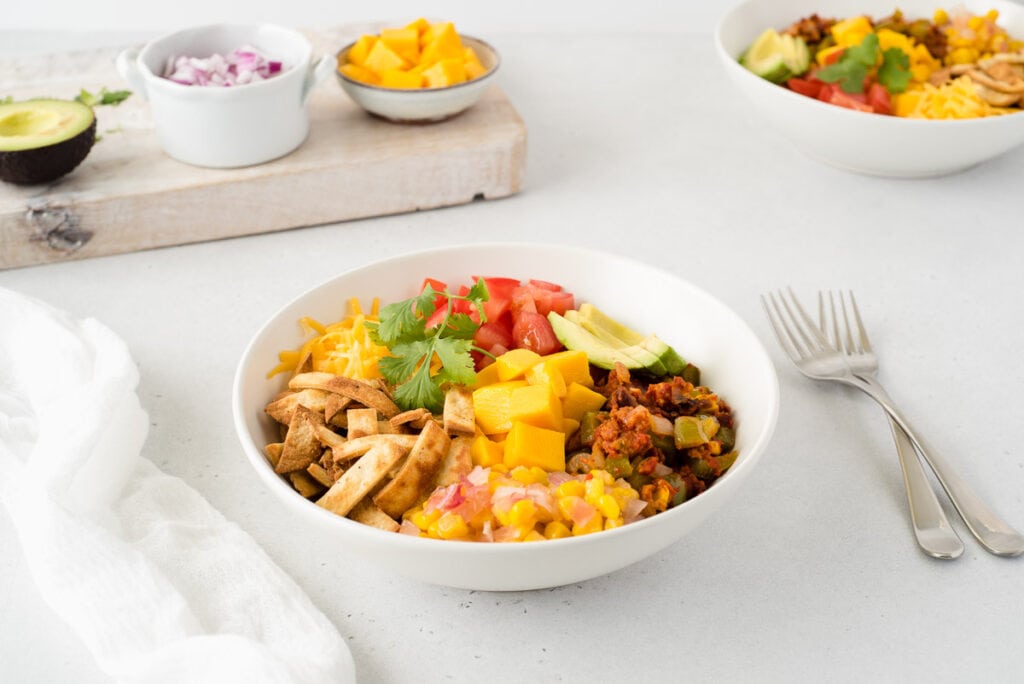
{"x":41,"y":140}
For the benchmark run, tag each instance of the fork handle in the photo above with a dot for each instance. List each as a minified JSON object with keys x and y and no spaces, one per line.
{"x":934,"y":534}
{"x":989,"y":529}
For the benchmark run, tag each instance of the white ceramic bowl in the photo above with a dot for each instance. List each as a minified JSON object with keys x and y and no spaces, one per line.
{"x":426,"y":104}
{"x":857,"y":141}
{"x":235,"y":126}
{"x":706,"y":332}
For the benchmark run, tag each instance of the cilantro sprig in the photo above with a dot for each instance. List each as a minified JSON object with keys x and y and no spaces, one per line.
{"x":856,"y":62}
{"x":402,"y":328}
{"x":104,"y":97}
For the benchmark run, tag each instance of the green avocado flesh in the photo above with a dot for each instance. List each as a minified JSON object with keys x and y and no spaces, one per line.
{"x":41,"y":140}
{"x":607,"y":342}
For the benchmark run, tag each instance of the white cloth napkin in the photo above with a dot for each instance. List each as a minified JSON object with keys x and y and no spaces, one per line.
{"x":159,"y":586}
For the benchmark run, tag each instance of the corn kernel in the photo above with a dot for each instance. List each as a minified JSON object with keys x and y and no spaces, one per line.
{"x":612,"y":523}
{"x":595,"y":490}
{"x":974,"y":23}
{"x":570,"y":488}
{"x":523,"y":513}
{"x":420,"y":520}
{"x":940,"y":17}
{"x":533,"y":535}
{"x":451,"y":526}
{"x":556,"y":530}
{"x":608,"y":506}
{"x":566,"y":505}
{"x":595,"y":524}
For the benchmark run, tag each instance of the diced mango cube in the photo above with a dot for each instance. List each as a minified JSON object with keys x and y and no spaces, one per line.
{"x":445,"y":73}
{"x":404,"y":41}
{"x":420,"y":25}
{"x":382,"y":58}
{"x":579,"y":400}
{"x":569,"y":427}
{"x":361,"y":49}
{"x":432,"y":31}
{"x":852,"y":31}
{"x":573,"y":366}
{"x":549,"y":375}
{"x":530,"y":446}
{"x":492,"y":403}
{"x":444,"y":43}
{"x":536,"y":405}
{"x":359,"y":73}
{"x":474,"y":68}
{"x":486,"y":452}
{"x":488,"y":375}
{"x":513,"y":364}
{"x":396,"y":78}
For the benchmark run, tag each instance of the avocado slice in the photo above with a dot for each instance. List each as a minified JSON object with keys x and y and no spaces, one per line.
{"x":41,"y":140}
{"x":666,"y":362}
{"x":646,"y":358}
{"x":574,"y":336}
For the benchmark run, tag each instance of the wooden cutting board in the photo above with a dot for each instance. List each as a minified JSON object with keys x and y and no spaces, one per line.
{"x":128,"y":195}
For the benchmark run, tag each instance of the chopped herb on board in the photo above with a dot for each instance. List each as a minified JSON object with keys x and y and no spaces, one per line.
{"x":104,"y":97}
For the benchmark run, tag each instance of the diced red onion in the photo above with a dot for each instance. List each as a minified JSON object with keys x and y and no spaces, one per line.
{"x":631,"y":512}
{"x":240,"y":67}
{"x":660,"y":425}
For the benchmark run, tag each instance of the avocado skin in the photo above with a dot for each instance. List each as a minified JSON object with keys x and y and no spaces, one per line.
{"x":44,"y":164}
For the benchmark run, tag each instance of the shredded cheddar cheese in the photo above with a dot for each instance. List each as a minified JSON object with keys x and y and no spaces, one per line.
{"x":342,"y":348}
{"x":955,"y":100}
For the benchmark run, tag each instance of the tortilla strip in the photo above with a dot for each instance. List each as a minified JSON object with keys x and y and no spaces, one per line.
{"x":305,"y":484}
{"x":362,"y":422}
{"x":319,"y":474}
{"x":273,"y":452}
{"x":301,"y":447}
{"x":368,"y":513}
{"x":334,"y":409}
{"x":305,"y":364}
{"x":283,"y":408}
{"x":457,"y":462}
{"x":361,"y":478}
{"x":416,"y":477}
{"x":415,"y":417}
{"x":328,"y":437}
{"x":459,"y":416}
{"x":354,"y":448}
{"x":359,"y":391}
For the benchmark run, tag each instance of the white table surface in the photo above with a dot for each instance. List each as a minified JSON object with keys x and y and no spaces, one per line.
{"x":639,"y":147}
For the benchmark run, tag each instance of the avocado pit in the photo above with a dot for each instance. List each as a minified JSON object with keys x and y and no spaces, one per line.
{"x":42,"y":140}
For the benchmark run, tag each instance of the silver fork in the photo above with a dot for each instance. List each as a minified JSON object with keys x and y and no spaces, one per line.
{"x":934,"y":534}
{"x":815,"y":357}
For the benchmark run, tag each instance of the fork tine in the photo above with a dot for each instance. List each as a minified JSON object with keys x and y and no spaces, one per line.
{"x":823,"y":320}
{"x":787,"y":340}
{"x":815,"y":340}
{"x":865,"y":343}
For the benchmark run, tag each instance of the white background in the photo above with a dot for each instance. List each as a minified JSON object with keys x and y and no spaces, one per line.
{"x":637,"y":145}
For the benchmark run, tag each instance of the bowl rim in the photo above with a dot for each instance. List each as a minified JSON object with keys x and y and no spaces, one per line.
{"x":420,"y":91}
{"x":732,"y":62}
{"x":301,"y":505}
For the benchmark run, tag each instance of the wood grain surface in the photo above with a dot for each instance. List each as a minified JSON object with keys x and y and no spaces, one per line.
{"x":128,"y":195}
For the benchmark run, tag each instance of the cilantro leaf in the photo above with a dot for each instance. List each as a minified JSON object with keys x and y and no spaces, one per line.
{"x":402,"y":328}
{"x":894,"y":73}
{"x":420,"y":390}
{"x":104,"y":97}
{"x":852,"y":67}
{"x":456,"y":363}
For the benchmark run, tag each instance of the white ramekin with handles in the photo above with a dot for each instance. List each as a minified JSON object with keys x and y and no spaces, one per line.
{"x":227,"y":127}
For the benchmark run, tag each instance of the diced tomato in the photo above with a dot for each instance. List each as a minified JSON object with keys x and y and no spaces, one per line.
{"x":811,"y":87}
{"x":833,"y":57}
{"x":533,"y":331}
{"x":857,"y":101}
{"x":545,"y":285}
{"x":879,"y":99}
{"x":438,"y":286}
{"x":825,"y":94}
{"x":434,"y":319}
{"x":490,"y":335}
{"x":522,"y":300}
{"x":562,"y":302}
{"x":499,"y":291}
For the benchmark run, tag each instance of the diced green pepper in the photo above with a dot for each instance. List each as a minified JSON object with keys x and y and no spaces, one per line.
{"x":688,"y":432}
{"x":588,"y":423}
{"x":727,"y":437}
{"x":619,"y":467}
